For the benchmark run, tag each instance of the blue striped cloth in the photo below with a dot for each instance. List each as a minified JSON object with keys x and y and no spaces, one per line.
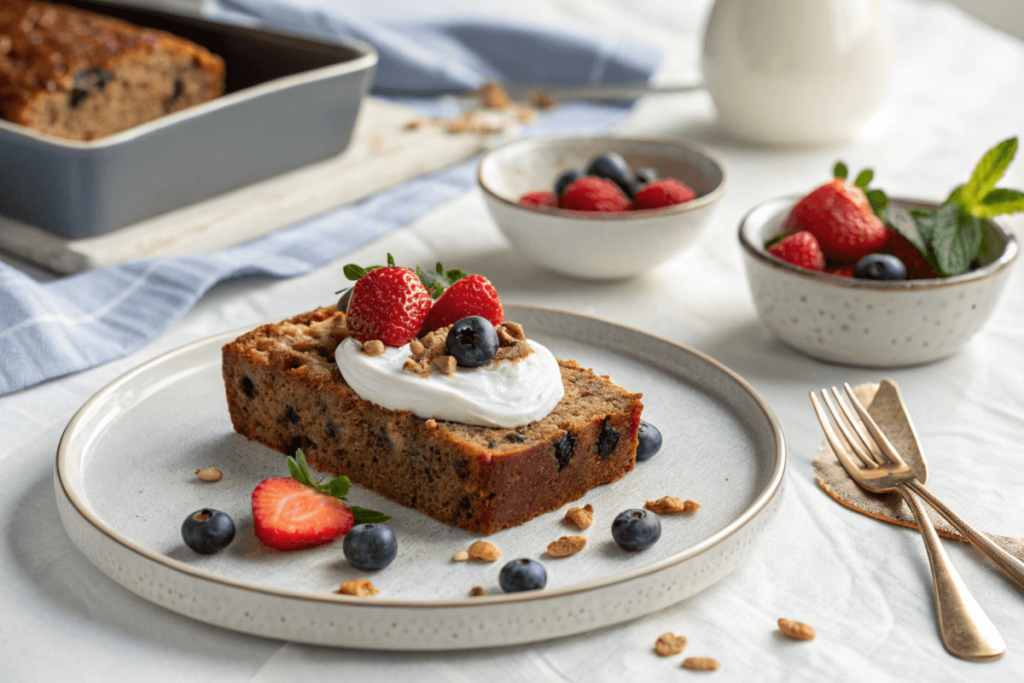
{"x":50,"y":329}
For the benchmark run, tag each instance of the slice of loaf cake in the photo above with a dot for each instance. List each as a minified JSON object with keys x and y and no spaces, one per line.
{"x":285,"y":391}
{"x":80,"y":75}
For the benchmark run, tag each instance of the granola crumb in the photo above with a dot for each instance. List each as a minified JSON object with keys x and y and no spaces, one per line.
{"x":415,"y":124}
{"x":669,"y":644}
{"x":420,"y":369}
{"x":430,"y":424}
{"x":209,"y":474}
{"x":797,"y":630}
{"x":446,"y":364}
{"x":525,"y":114}
{"x":476,"y":592}
{"x":539,"y":100}
{"x":416,"y":347}
{"x":701,"y":664}
{"x":484,"y":550}
{"x":566,"y":546}
{"x":582,"y":517}
{"x":493,"y":96}
{"x":373,"y":347}
{"x":460,"y":556}
{"x":472,"y":122}
{"x":514,"y":329}
{"x":669,"y":505}
{"x":359,"y":587}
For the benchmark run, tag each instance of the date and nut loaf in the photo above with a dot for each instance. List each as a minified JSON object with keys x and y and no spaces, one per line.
{"x":79,"y":75}
{"x":285,"y":391}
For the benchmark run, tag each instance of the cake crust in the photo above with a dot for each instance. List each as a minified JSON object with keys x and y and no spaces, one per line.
{"x":80,"y":75}
{"x":284,"y":390}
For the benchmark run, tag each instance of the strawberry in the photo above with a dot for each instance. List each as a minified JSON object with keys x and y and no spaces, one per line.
{"x":800,"y":249}
{"x":388,"y":303}
{"x":594,"y":194}
{"x":468,"y":295}
{"x":899,"y":246}
{"x":840,"y":217}
{"x":539,"y":199}
{"x":839,"y":269}
{"x":662,"y":193}
{"x":292,"y":513}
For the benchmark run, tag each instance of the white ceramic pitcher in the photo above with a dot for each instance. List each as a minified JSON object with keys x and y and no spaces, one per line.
{"x":792,"y":72}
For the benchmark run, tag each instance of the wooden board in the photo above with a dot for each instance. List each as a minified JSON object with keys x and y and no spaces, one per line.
{"x":382,"y":154}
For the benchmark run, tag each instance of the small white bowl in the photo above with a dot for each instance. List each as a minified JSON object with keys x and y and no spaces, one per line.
{"x":864,"y":322}
{"x":592,"y":245}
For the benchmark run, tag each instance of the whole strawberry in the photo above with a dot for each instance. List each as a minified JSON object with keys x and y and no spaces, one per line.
{"x":595,"y":194}
{"x":388,"y":303}
{"x":800,"y":249}
{"x":460,"y":296}
{"x":840,"y":217}
{"x":917,"y":265}
{"x":292,"y":513}
{"x":662,"y":193}
{"x":539,"y":199}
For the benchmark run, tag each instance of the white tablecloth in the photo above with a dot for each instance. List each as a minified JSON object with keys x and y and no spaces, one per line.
{"x":865,"y":586}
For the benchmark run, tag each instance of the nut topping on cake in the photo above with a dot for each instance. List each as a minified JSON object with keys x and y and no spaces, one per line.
{"x":582,"y":517}
{"x":669,"y":505}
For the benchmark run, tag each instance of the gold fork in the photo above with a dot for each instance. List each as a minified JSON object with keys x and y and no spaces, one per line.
{"x":965,"y":629}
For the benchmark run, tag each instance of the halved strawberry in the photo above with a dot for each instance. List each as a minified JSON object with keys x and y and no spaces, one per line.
{"x":288,"y":515}
{"x":800,"y":249}
{"x":917,"y":265}
{"x":840,"y":217}
{"x":388,"y":303}
{"x":470,"y":295}
{"x":293,"y":513}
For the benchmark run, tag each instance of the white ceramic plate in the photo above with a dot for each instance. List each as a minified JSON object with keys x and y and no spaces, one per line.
{"x":125,"y":484}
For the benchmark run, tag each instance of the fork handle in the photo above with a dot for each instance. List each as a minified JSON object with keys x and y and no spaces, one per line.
{"x":966,"y":630}
{"x":1013,"y":567}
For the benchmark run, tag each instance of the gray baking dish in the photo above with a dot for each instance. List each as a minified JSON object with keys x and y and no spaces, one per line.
{"x":289,"y":101}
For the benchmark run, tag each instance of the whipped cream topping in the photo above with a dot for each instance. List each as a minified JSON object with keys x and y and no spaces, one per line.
{"x":496,"y":395}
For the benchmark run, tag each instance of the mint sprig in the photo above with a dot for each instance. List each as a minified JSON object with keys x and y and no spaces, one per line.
{"x":439,"y":279}
{"x":952,"y":236}
{"x":337,"y":487}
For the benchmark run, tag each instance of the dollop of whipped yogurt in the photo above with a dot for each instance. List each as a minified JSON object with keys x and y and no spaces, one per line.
{"x":505,"y":394}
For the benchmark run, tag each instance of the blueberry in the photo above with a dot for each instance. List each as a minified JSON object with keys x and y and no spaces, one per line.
{"x":207,"y":531}
{"x":565,"y":180}
{"x":648,"y":441}
{"x":636,"y":529}
{"x":370,"y":546}
{"x":880,"y":267}
{"x":473,"y":341}
{"x":522,"y":575}
{"x":612,"y":166}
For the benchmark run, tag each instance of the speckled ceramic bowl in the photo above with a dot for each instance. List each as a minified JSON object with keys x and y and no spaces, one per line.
{"x":597,"y":246}
{"x":867,"y":323}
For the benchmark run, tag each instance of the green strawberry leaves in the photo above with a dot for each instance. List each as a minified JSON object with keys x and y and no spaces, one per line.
{"x":439,"y":279}
{"x":840,"y":170}
{"x":337,"y":487}
{"x":877,"y":198}
{"x":952,"y":236}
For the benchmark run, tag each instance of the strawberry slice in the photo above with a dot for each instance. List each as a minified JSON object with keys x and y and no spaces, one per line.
{"x":840,"y":217}
{"x":469,"y":295}
{"x":388,"y":303}
{"x":800,"y":249}
{"x":293,"y":513}
{"x":288,"y":515}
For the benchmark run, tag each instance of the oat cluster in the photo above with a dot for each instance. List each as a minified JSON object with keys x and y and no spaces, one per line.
{"x":797,"y":630}
{"x":429,"y":353}
{"x":209,"y":474}
{"x":498,"y":103}
{"x":373,"y":347}
{"x":361,"y":588}
{"x":669,"y":644}
{"x":669,"y":505}
{"x":566,"y":546}
{"x":582,"y":517}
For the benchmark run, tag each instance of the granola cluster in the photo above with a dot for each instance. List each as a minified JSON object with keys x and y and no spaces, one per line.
{"x":429,"y":353}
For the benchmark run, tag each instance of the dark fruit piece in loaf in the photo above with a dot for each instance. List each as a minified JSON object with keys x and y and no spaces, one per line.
{"x":285,"y":391}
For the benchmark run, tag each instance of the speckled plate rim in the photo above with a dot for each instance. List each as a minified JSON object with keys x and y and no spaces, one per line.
{"x":609,"y":141}
{"x":988,"y":270}
{"x":69,"y":447}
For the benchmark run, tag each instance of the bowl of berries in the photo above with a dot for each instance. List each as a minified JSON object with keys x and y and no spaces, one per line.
{"x":847,"y":275}
{"x":600,"y":208}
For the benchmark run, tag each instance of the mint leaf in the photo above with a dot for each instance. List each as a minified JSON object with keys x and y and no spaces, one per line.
{"x":987,"y":173}
{"x":955,"y":240}
{"x":364,"y":516}
{"x":903,"y":222}
{"x":999,"y":201}
{"x":954,"y":196}
{"x":864,"y":178}
{"x":354,"y":272}
{"x":840,"y":170}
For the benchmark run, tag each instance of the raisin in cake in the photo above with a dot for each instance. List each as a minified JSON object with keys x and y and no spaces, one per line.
{"x":285,"y":391}
{"x":80,"y":75}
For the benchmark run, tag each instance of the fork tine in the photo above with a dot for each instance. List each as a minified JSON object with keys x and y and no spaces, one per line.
{"x":865,"y":458}
{"x":858,"y":427}
{"x":838,"y":447}
{"x":869,"y":422}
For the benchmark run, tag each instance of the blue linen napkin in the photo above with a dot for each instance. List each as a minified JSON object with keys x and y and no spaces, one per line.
{"x":50,"y":329}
